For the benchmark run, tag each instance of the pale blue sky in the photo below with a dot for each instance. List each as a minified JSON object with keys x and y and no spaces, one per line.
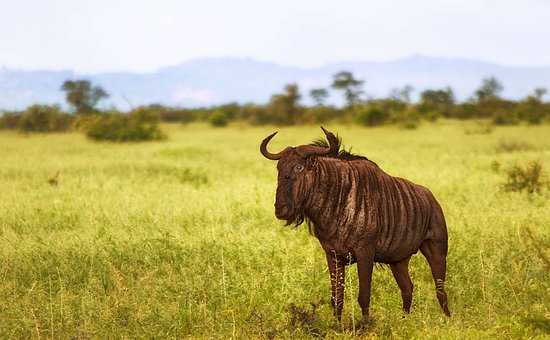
{"x":103,"y":35}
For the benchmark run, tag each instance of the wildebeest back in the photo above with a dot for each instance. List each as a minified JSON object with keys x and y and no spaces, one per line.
{"x":370,"y":203}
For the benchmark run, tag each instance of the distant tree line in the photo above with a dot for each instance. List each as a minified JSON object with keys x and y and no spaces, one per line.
{"x":283,"y":108}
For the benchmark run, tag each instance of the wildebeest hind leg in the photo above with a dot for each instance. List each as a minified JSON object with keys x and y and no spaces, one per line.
{"x":400,"y":271}
{"x":435,"y":252}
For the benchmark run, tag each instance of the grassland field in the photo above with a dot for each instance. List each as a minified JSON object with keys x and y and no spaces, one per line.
{"x":178,"y":238}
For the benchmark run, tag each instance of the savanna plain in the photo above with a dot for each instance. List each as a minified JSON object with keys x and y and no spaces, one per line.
{"x":178,"y":238}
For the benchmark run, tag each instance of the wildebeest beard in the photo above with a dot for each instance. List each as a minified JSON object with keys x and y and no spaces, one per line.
{"x":295,"y":206}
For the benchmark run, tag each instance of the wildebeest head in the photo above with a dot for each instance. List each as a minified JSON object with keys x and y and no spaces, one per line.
{"x":296,"y":166}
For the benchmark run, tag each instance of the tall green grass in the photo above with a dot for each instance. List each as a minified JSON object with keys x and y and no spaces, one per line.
{"x":178,"y":238}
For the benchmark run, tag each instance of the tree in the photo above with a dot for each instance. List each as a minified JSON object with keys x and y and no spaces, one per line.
{"x":540,"y":92}
{"x":292,"y":94}
{"x":437,"y":101}
{"x":344,"y":81}
{"x":490,"y":89}
{"x":402,"y":94}
{"x":319,"y":96}
{"x":532,"y":109}
{"x":82,"y":96}
{"x":488,"y":102}
{"x":284,"y":107}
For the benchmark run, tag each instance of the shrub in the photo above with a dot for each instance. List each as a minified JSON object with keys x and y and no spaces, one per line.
{"x":171,"y":114}
{"x":504,"y":117}
{"x":231,"y":110}
{"x":531,"y":110}
{"x":257,"y":114}
{"x":408,"y":118}
{"x":44,"y":118}
{"x":10,"y":120}
{"x":320,"y":114}
{"x":139,"y":125}
{"x":466,"y":111}
{"x":530,"y":178}
{"x":492,"y":107}
{"x":177,"y":115}
{"x":370,"y":115}
{"x":430,"y":116}
{"x":82,"y":122}
{"x":218,"y":119}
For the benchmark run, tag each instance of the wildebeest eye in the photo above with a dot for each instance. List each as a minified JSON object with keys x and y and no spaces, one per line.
{"x":298,"y":168}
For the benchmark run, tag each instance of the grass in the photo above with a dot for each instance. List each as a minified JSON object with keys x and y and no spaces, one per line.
{"x":178,"y":238}
{"x":513,"y":146}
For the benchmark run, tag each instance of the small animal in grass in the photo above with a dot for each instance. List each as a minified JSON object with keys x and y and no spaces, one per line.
{"x":360,"y":214}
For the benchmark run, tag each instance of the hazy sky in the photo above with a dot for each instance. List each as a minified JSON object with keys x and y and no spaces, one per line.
{"x":143,"y":35}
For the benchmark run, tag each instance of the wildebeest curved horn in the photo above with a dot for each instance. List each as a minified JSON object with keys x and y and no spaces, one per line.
{"x":314,"y":150}
{"x":333,"y":141}
{"x":267,"y":154}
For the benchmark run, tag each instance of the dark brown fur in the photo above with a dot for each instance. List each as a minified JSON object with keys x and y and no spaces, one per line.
{"x":360,"y":214}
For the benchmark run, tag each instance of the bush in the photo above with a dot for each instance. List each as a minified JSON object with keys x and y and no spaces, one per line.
{"x":177,"y":115}
{"x":10,"y":120}
{"x":44,"y":118}
{"x":531,"y":110}
{"x":430,"y":116}
{"x":257,"y":114}
{"x":231,"y":110}
{"x":495,"y":106}
{"x":320,"y":114}
{"x":171,"y":114}
{"x":408,"y":118}
{"x":504,"y":117}
{"x":370,"y":115}
{"x":530,"y":178}
{"x":139,"y":125}
{"x":465,"y":111}
{"x":218,"y":119}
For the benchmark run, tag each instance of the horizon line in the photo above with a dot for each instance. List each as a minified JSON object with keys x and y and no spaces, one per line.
{"x":4,"y":68}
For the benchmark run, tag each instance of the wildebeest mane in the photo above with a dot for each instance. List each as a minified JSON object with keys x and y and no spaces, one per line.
{"x":342,"y":153}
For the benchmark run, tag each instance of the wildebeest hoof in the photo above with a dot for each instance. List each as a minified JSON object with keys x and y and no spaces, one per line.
{"x":337,"y":325}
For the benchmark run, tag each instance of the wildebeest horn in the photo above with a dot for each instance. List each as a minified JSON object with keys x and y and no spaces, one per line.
{"x":267,"y":154}
{"x":313,"y":150}
{"x":333,"y":141}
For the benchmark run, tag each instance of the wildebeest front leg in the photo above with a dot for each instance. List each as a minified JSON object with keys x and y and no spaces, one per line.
{"x":337,"y":271}
{"x":365,"y":263}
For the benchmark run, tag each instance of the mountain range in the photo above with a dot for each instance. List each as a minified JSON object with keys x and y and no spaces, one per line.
{"x":211,"y":81}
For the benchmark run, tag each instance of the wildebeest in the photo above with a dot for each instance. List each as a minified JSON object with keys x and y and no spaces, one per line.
{"x":360,"y":214}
